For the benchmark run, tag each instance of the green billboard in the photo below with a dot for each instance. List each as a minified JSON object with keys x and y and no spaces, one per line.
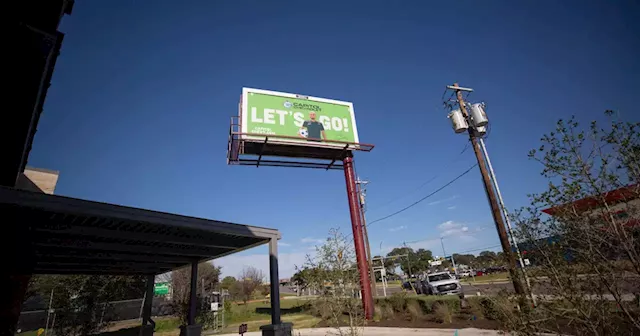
{"x":295,"y":119}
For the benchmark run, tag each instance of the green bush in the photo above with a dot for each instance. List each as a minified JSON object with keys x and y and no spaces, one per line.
{"x":484,"y":307}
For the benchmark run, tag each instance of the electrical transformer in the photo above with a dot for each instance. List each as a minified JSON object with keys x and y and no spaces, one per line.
{"x":480,"y":131}
{"x":478,"y":115}
{"x":458,"y":121}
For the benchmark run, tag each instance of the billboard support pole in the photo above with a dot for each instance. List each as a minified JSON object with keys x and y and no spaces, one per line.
{"x":356,"y":226}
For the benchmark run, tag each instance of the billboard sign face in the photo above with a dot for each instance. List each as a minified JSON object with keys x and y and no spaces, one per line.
{"x":296,"y":120}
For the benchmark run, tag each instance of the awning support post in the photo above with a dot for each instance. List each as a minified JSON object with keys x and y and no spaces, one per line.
{"x":276,"y":328}
{"x":191,"y":317}
{"x":147,"y":323}
{"x":192,"y":329}
{"x":148,"y":300}
{"x":275,"y":281}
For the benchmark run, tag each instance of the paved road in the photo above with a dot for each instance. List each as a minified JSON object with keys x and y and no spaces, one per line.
{"x":629,"y":287}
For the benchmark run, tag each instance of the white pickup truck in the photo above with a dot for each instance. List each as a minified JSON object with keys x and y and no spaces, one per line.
{"x":442,"y":283}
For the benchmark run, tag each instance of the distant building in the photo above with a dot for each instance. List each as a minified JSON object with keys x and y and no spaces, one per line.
{"x":623,"y":203}
{"x":38,"y":180}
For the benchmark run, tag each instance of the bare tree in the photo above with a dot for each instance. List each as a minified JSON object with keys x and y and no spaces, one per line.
{"x":335,"y":274}
{"x":248,"y":281}
{"x":586,"y":254}
{"x":208,"y":278}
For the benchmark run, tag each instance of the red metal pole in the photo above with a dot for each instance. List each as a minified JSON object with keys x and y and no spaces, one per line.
{"x":354,"y":209}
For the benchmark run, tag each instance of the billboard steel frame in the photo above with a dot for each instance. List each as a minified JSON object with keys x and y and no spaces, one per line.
{"x":250,"y":152}
{"x":249,"y":149}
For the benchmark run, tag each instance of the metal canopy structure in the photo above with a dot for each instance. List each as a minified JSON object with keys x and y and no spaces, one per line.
{"x":63,"y":235}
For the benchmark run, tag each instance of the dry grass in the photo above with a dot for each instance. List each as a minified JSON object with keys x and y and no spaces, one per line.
{"x":476,"y":308}
{"x":414,"y":310}
{"x":443,"y":313}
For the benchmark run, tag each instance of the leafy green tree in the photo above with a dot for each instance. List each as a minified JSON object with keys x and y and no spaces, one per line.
{"x":336,"y":274}
{"x":227,"y":282}
{"x":418,"y":260}
{"x":464,"y":259}
{"x":78,"y":300}
{"x":592,"y":237}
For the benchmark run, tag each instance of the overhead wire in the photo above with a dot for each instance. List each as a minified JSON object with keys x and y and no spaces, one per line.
{"x":423,"y":198}
{"x":404,"y":195}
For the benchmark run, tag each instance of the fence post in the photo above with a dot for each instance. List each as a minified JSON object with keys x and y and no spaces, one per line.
{"x":142,"y":304}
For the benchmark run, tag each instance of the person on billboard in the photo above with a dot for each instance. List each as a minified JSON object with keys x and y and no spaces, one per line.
{"x":314,"y":129}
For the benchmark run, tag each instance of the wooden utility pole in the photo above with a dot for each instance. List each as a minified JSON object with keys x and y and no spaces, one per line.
{"x":362,"y":194}
{"x":493,"y":200}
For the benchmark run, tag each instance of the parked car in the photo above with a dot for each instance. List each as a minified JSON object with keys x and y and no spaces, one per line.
{"x":465,"y":273}
{"x":414,"y":284}
{"x":442,"y":283}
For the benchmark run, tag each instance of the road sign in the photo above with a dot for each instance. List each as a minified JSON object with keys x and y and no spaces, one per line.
{"x":242,"y":329}
{"x":161,"y":288}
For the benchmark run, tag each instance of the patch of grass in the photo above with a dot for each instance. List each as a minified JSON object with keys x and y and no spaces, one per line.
{"x":300,"y":321}
{"x":167,"y":324}
{"x":259,"y":310}
{"x":493,"y":277}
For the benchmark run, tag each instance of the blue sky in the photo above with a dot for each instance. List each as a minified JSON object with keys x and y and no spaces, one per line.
{"x":138,"y":111}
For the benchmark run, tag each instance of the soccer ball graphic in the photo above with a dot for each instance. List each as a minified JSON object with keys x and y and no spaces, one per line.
{"x":303,"y":132}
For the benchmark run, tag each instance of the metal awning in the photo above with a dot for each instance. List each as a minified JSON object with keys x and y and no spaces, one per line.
{"x":58,"y":235}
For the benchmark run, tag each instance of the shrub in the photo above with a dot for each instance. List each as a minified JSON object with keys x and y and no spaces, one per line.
{"x":414,"y":310}
{"x":476,"y":308}
{"x":398,"y":301}
{"x":443,"y":312}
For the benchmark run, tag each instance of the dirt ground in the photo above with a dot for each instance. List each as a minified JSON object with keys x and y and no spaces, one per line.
{"x":456,"y":324}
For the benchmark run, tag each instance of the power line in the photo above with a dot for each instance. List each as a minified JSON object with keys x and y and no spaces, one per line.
{"x":479,"y":249}
{"x":424,"y":198}
{"x":464,"y":149}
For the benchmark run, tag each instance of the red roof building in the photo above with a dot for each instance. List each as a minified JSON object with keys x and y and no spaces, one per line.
{"x":620,"y":202}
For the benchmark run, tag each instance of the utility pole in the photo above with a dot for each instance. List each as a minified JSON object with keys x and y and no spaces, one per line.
{"x":408,"y":259}
{"x":362,"y":192}
{"x":506,"y":218}
{"x":488,"y":187}
{"x":453,"y":262}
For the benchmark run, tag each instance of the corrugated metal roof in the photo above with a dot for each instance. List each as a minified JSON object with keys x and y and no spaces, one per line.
{"x":55,"y":234}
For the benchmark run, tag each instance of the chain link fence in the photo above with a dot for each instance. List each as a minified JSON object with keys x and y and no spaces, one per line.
{"x":109,"y":312}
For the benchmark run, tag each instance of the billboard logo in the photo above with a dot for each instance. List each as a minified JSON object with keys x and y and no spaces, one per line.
{"x":302,"y":106}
